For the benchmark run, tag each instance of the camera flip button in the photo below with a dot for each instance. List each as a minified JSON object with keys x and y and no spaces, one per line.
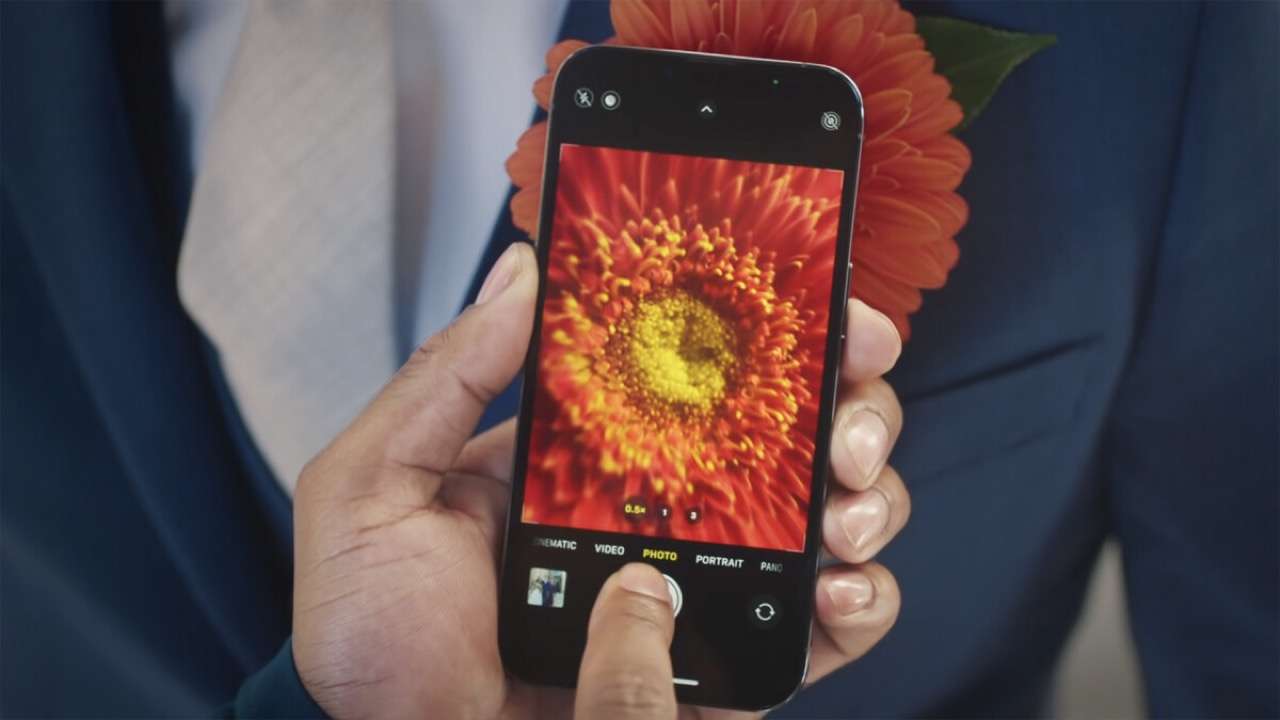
{"x":764,"y":611}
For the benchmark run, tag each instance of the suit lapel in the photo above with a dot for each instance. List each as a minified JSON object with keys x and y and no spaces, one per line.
{"x":85,"y":177}
{"x":106,"y":252}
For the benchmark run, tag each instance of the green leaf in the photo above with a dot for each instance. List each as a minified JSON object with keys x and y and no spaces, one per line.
{"x":976,"y":58}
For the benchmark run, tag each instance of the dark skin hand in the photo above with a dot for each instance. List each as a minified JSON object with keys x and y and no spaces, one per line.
{"x":398,"y":525}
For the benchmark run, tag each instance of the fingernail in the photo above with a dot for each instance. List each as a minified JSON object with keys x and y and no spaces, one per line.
{"x":644,"y":580}
{"x":865,"y":519}
{"x":872,"y":348}
{"x":867,"y":438}
{"x":851,"y":593}
{"x":500,"y":276}
{"x":892,"y":335}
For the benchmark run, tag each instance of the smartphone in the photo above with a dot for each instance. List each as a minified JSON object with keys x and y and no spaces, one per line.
{"x":694,"y":245}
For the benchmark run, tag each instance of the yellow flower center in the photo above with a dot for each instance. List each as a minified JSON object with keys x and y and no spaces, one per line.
{"x":678,"y":354}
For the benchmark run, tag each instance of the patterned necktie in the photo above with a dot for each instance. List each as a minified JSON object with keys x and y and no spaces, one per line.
{"x":287,"y":260}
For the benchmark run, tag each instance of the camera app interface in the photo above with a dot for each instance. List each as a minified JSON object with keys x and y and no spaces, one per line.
{"x":682,"y":345}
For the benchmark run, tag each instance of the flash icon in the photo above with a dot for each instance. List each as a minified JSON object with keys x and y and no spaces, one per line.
{"x":582,"y":97}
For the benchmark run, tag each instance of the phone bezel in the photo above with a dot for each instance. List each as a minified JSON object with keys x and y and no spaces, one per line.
{"x":566,"y":126}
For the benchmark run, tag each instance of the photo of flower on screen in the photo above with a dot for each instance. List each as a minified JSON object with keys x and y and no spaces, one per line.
{"x":681,"y":349}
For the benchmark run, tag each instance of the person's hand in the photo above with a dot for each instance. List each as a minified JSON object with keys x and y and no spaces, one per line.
{"x":398,"y":525}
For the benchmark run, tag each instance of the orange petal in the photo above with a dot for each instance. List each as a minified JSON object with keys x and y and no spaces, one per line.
{"x":898,"y":44}
{"x":636,"y":24}
{"x":748,"y":26}
{"x":857,"y":60}
{"x":916,"y":266}
{"x":888,"y":296}
{"x":945,"y":253}
{"x":843,"y":37}
{"x":796,"y":40}
{"x":928,"y":125}
{"x":886,"y":111}
{"x":525,"y":164}
{"x":875,"y":12}
{"x":882,"y":149}
{"x":922,"y":172}
{"x":524,"y":209}
{"x":948,"y":148}
{"x":561,"y":52}
{"x":542,"y":90}
{"x":898,"y":20}
{"x":555,"y":58}
{"x":692,"y":23}
{"x":948,"y":208}
{"x":895,"y":220}
{"x":929,"y":90}
{"x":896,"y":71}
{"x":897,"y":295}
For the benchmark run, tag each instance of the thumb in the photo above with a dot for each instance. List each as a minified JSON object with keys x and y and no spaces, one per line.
{"x":427,"y":412}
{"x":626,"y":669}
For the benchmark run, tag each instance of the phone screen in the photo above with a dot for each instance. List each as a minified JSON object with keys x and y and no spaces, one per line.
{"x":681,"y":378}
{"x":683,"y":335}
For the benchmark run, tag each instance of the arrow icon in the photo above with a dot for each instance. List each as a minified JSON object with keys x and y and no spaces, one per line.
{"x":707,"y":110}
{"x":764,"y":611}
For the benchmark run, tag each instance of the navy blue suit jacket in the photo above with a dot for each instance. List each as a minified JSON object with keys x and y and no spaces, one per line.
{"x":1101,"y":364}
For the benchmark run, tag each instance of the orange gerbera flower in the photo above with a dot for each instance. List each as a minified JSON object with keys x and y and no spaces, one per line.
{"x":908,"y":211}
{"x":682,"y":345}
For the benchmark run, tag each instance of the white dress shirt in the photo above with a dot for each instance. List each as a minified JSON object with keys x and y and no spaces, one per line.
{"x":464,"y":73}
{"x":463,"y":70}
